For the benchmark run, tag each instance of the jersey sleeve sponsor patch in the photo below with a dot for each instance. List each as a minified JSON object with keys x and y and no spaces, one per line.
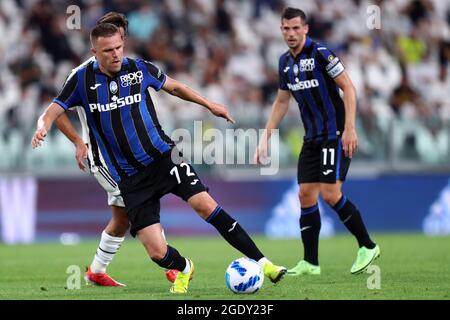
{"x":335,"y":69}
{"x":158,"y":76}
{"x":333,"y":65}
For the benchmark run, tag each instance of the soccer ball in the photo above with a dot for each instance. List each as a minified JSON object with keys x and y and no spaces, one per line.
{"x":244,"y":276}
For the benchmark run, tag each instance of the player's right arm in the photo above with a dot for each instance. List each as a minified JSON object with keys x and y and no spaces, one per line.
{"x":65,"y":126}
{"x":67,"y":98}
{"x":45,"y":122}
{"x":279,"y":109}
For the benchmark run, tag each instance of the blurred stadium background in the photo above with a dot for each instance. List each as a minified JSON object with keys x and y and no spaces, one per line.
{"x":228,"y":50}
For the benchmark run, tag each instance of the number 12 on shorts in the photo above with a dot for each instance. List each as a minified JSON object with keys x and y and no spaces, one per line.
{"x":174,"y":171}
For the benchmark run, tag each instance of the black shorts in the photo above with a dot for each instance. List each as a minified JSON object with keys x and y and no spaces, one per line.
{"x":142,"y":192}
{"x":322,"y":161}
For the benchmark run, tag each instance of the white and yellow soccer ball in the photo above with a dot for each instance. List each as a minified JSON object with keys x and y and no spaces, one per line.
{"x":244,"y":275}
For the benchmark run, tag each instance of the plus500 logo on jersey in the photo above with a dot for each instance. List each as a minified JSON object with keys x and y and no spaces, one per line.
{"x":302,"y":85}
{"x":131,"y":78}
{"x":118,"y":103}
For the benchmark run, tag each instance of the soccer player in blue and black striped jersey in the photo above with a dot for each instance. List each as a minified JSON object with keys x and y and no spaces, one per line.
{"x":313,"y":75}
{"x":115,"y":93}
{"x":86,"y":146}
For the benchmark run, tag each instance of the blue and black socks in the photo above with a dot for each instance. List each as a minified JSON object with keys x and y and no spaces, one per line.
{"x":229,"y":229}
{"x":310,"y":229}
{"x":351,"y":218}
{"x":172,"y":260}
{"x":234,"y":234}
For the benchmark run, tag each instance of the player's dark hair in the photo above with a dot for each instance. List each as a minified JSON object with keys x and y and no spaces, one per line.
{"x":291,"y":13}
{"x":116,"y":18}
{"x":103,"y":30}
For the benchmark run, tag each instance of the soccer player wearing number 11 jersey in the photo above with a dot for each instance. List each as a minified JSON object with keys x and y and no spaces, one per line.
{"x":313,"y":74}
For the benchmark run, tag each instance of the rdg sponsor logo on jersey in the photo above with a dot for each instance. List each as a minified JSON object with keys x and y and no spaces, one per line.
{"x":307,"y":65}
{"x":117,"y":103}
{"x":131,"y":78}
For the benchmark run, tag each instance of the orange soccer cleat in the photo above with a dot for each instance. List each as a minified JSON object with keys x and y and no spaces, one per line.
{"x":171,"y":275}
{"x":101,"y":279}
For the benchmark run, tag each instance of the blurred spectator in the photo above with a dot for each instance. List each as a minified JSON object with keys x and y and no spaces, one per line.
{"x":417,"y":10}
{"x":412,"y":48}
{"x":432,"y":138}
{"x":404,"y":98}
{"x":223,"y":21}
{"x":143,"y":22}
{"x":50,"y":26}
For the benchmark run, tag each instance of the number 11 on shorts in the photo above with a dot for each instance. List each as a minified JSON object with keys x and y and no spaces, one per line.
{"x":325,"y":152}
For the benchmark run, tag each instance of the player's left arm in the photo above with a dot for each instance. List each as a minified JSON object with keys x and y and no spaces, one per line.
{"x":184,"y":92}
{"x":159,"y":80}
{"x":349,"y":136}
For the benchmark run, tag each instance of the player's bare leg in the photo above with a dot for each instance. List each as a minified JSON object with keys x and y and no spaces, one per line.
{"x":207,"y":208}
{"x":166,"y":256}
{"x":153,"y":241}
{"x":119,"y":224}
{"x":310,"y":229}
{"x":331,"y":192}
{"x":351,"y":218}
{"x":308,"y":194}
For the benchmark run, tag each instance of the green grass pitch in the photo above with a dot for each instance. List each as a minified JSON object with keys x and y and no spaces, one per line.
{"x":412,"y":266}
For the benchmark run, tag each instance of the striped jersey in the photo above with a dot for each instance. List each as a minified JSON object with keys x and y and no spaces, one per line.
{"x":310,"y":78}
{"x":95,"y":158}
{"x":120,"y":113}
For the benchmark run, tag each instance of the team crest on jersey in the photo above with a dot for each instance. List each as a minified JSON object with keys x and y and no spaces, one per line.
{"x":307,"y":65}
{"x":131,"y":78}
{"x":295,"y":70}
{"x":113,"y":87}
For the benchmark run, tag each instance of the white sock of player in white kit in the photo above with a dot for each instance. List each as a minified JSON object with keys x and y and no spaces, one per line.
{"x":106,"y":250}
{"x":263,"y":261}
{"x":187,"y":269}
